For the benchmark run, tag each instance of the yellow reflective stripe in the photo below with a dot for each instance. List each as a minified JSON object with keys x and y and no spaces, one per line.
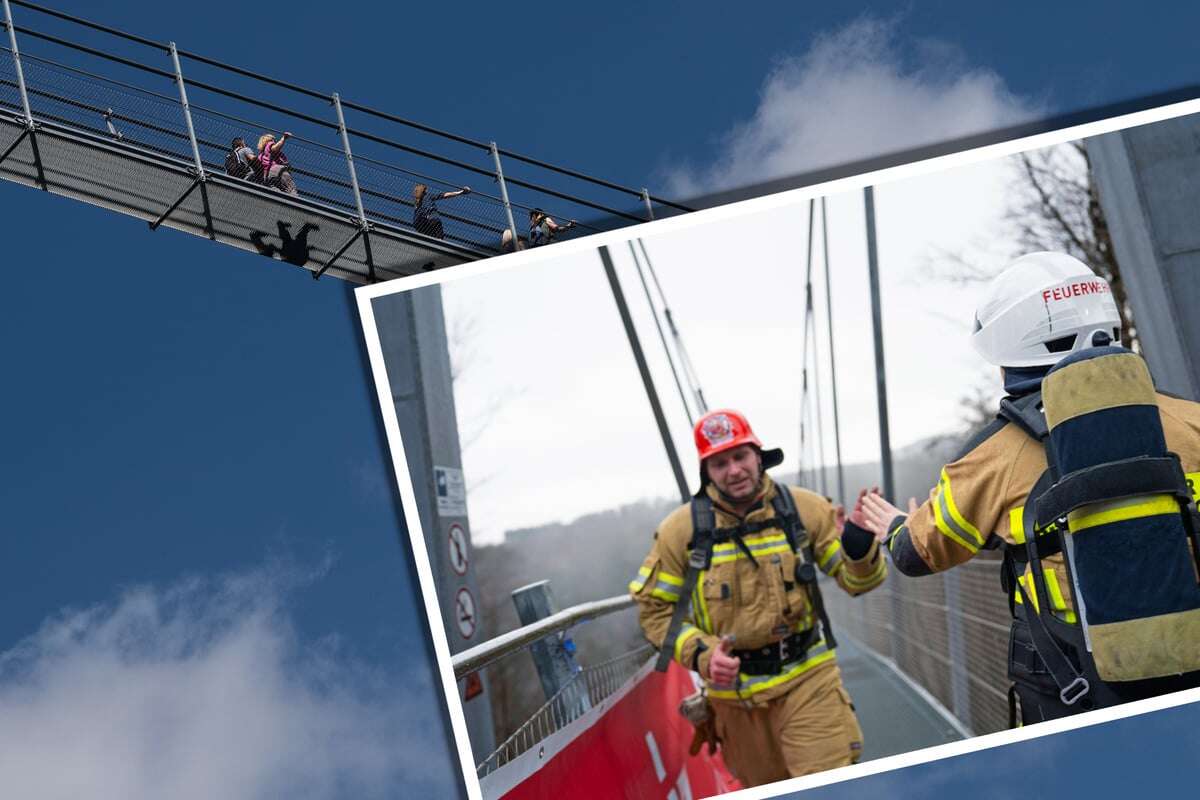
{"x":700,"y":605}
{"x":830,"y":552}
{"x":1120,"y":510}
{"x":956,"y":517}
{"x":753,"y":684}
{"x":664,"y":594}
{"x":876,"y":575}
{"x":685,"y":634}
{"x":754,"y":545}
{"x":639,"y":580}
{"x":724,"y":559}
{"x":1057,"y":601}
{"x":945,"y":529}
{"x":1016,"y":524}
{"x":667,"y":577}
{"x":1193,"y":482}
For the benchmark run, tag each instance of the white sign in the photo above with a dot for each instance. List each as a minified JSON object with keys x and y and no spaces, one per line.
{"x":459,"y":556}
{"x":451,"y":492}
{"x":464,"y":613}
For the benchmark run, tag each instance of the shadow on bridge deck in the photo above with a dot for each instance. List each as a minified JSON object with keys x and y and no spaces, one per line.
{"x":895,"y":718}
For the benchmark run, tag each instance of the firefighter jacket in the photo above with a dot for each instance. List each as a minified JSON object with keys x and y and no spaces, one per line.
{"x":757,"y":602}
{"x":980,"y":498}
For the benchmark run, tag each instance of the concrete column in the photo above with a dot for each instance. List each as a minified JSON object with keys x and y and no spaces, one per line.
{"x":412,"y":332}
{"x":1149,"y":185}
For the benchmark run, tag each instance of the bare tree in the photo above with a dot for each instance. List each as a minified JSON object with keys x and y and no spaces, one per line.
{"x":1053,"y":204}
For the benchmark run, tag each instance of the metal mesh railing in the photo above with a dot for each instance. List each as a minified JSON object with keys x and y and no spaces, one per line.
{"x":111,"y":94}
{"x":948,"y":632}
{"x":599,"y":681}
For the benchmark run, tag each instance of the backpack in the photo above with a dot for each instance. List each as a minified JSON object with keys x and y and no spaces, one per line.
{"x":235,"y":166}
{"x":1117,"y":506}
{"x":705,"y":534}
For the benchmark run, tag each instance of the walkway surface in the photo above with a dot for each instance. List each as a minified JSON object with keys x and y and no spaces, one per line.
{"x":895,"y":718}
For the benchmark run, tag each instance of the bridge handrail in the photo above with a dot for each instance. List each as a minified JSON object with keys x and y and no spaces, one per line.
{"x":496,"y":648}
{"x":304,"y":91}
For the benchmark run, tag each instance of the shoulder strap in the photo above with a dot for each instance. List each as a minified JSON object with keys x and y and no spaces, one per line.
{"x":1026,"y":413}
{"x":793,"y":528}
{"x":785,"y":509}
{"x":704,"y":523}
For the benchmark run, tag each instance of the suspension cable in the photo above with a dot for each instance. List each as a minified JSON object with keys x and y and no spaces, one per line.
{"x":804,"y":340}
{"x":662,"y":337}
{"x":689,"y":369}
{"x":837,"y":429}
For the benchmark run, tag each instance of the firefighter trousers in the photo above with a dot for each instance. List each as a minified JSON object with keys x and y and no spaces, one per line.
{"x":809,"y":729}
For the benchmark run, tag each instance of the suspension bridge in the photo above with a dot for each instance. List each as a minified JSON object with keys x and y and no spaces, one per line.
{"x":123,"y":127}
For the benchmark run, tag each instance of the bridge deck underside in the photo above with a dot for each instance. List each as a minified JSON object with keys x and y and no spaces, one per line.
{"x":247,"y":216}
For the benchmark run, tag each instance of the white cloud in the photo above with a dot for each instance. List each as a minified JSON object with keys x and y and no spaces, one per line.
{"x":205,"y":690}
{"x":858,"y":92}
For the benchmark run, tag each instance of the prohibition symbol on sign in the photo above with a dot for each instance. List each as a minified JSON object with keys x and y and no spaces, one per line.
{"x":458,"y":548}
{"x":464,"y":613}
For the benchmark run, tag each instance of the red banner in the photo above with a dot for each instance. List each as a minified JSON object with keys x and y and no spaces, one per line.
{"x":633,"y":745}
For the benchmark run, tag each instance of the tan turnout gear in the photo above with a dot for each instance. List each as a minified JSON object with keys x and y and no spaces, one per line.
{"x":803,"y":711}
{"x":984,"y":492}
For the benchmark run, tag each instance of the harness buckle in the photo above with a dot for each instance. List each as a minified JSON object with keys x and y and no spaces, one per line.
{"x":1074,"y":691}
{"x":696,"y":560}
{"x":785,"y":652}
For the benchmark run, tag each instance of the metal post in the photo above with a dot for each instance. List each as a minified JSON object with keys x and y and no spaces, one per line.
{"x":512,"y":225}
{"x":646,"y":200}
{"x":644,"y":370}
{"x":552,"y":656}
{"x":187,"y":112}
{"x":341,"y":120}
{"x":363,"y":225}
{"x":12,"y":44}
{"x":201,"y":176}
{"x":30,"y":127}
{"x":885,"y":441}
{"x":837,"y":425}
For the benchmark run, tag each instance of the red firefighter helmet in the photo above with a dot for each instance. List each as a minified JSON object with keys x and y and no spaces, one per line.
{"x":725,"y":429}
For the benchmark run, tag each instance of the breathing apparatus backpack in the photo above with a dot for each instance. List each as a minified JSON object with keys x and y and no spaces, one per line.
{"x":705,"y":534}
{"x":1117,"y":505}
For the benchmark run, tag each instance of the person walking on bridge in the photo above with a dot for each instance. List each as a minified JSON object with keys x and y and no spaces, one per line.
{"x":730,"y":591}
{"x":1086,"y":481}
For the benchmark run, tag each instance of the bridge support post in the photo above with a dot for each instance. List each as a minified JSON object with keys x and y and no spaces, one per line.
{"x":646,"y":202}
{"x":885,"y":440}
{"x":553,"y":656}
{"x":363,"y":225}
{"x":30,"y":125}
{"x":201,"y":175}
{"x":512,"y":225}
{"x":639,"y":356}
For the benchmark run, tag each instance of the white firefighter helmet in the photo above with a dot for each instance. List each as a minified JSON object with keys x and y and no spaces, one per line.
{"x":1043,"y":307}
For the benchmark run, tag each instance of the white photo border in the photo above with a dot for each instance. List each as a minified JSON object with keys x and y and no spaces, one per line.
{"x":366,"y":294}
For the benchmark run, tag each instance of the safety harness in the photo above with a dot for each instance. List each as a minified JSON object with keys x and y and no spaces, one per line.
{"x":1044,"y":646}
{"x":706,"y":534}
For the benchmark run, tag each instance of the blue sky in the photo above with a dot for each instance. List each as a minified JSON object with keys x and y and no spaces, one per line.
{"x":173,"y":408}
{"x":1142,"y":756}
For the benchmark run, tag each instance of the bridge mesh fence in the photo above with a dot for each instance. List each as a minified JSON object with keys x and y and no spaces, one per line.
{"x":948,"y":632}
{"x":595,"y":683}
{"x":153,"y":120}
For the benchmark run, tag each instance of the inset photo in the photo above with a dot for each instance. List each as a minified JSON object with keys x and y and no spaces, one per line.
{"x":805,"y":482}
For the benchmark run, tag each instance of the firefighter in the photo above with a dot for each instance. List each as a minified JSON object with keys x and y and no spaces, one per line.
{"x":1045,"y":308}
{"x":729,"y":590}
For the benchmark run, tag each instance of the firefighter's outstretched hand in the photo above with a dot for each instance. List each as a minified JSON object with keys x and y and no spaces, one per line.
{"x":723,"y":666}
{"x":879,"y":513}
